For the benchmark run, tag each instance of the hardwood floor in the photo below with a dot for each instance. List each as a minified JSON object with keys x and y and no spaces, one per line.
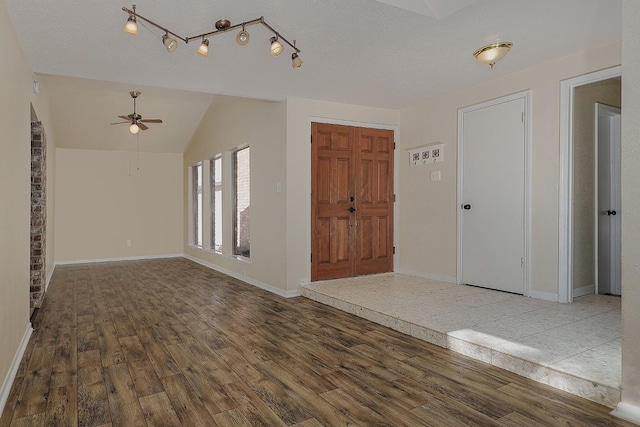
{"x":169,"y":342}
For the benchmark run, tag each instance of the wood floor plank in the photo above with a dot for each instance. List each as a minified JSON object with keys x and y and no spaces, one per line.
{"x":170,"y":342}
{"x":110,"y":350}
{"x":144,"y":377}
{"x":93,"y":405}
{"x":62,"y":406}
{"x":65,"y":361}
{"x":158,"y":411}
{"x":188,"y":407}
{"x":124,"y":406}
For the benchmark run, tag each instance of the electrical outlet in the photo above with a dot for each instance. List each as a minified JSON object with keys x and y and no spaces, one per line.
{"x":129,"y":242}
{"x":436,"y":176}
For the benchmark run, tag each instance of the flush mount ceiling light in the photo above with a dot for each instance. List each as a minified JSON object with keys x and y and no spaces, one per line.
{"x":492,"y":53}
{"x":223,"y":25}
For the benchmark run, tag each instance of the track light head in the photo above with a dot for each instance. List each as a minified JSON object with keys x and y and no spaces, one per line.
{"x":131,"y":26}
{"x":296,"y":62}
{"x":243,"y":37}
{"x":204,"y":47}
{"x":134,"y":129}
{"x":169,"y":43}
{"x":276,"y":47}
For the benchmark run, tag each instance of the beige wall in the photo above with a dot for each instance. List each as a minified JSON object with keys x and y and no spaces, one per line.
{"x":230,"y":123}
{"x":631,"y":205}
{"x":298,"y":167}
{"x":431,"y":248}
{"x":15,"y":165}
{"x":584,"y":161}
{"x":102,"y":201}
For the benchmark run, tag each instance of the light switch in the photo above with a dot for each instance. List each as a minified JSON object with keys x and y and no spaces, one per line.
{"x":435,"y":176}
{"x":278,"y":187}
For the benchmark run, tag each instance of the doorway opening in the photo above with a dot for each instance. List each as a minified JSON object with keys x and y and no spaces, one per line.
{"x":579,"y":213}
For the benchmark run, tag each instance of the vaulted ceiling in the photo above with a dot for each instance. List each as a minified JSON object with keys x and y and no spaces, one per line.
{"x":386,"y":53}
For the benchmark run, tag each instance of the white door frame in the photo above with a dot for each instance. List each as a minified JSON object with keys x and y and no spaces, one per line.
{"x":527,"y":178}
{"x":565,"y":193}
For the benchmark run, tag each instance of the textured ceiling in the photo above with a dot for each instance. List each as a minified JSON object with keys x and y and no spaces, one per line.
{"x":387,"y":53}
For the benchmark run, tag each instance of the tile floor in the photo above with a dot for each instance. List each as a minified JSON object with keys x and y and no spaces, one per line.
{"x":574,"y":347}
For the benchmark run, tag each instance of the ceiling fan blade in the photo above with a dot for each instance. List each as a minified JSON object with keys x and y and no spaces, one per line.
{"x":142,"y":126}
{"x":125,"y":117}
{"x":150,"y":121}
{"x":119,"y":123}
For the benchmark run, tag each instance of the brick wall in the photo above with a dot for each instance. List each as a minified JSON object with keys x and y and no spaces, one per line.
{"x":38,"y":213}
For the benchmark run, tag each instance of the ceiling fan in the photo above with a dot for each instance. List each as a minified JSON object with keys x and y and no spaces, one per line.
{"x":135,"y":120}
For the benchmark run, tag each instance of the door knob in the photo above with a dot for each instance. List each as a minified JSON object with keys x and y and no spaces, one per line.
{"x":610,"y":212}
{"x":466,"y":207}
{"x":352,"y":209}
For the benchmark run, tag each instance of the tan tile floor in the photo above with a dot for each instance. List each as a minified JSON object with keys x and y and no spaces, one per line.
{"x":575,"y":347}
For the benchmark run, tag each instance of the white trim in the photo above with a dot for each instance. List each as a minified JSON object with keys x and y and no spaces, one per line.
{"x":49,"y":276}
{"x":565,"y":193}
{"x":307,"y":163}
{"x":545,"y":296}
{"x":422,"y":274}
{"x":627,"y":412}
{"x":248,"y":280}
{"x":132,"y":258}
{"x":527,"y":96}
{"x":13,"y":369}
{"x":585,"y":290}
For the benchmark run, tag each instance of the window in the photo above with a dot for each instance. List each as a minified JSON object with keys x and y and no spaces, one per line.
{"x":216,"y":203}
{"x":196,"y":180}
{"x":241,"y":217}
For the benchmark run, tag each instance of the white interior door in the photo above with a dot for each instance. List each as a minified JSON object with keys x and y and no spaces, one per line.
{"x":608,"y":223}
{"x":492,"y":216}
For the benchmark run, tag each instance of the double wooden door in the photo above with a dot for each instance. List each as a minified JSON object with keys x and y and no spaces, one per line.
{"x":351,"y":201}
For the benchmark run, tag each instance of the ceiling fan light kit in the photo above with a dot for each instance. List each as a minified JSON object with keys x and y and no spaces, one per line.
{"x":135,"y":120}
{"x":170,"y":39}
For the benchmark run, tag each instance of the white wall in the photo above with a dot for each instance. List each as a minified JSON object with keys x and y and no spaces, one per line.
{"x":15,"y":200}
{"x":631,"y":205}
{"x":102,"y":201}
{"x":431,"y":248}
{"x":230,"y":123}
{"x":298,"y":167}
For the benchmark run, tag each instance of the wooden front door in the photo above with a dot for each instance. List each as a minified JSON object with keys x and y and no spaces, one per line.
{"x":351,"y":201}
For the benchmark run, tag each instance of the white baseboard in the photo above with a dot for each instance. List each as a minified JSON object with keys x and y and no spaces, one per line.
{"x":585,"y":290}
{"x":49,"y":276}
{"x":546,"y":296}
{"x":627,"y":412}
{"x":13,"y":369}
{"x":133,"y":258}
{"x":437,"y":277}
{"x":249,"y":280}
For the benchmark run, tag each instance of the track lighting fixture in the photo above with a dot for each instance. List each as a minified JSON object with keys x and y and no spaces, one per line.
{"x":492,"y":53}
{"x":243,"y":37}
{"x":132,"y":25}
{"x":204,"y":47}
{"x":169,"y":43}
{"x":296,"y":62}
{"x":276,"y":47}
{"x":221,"y":26}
